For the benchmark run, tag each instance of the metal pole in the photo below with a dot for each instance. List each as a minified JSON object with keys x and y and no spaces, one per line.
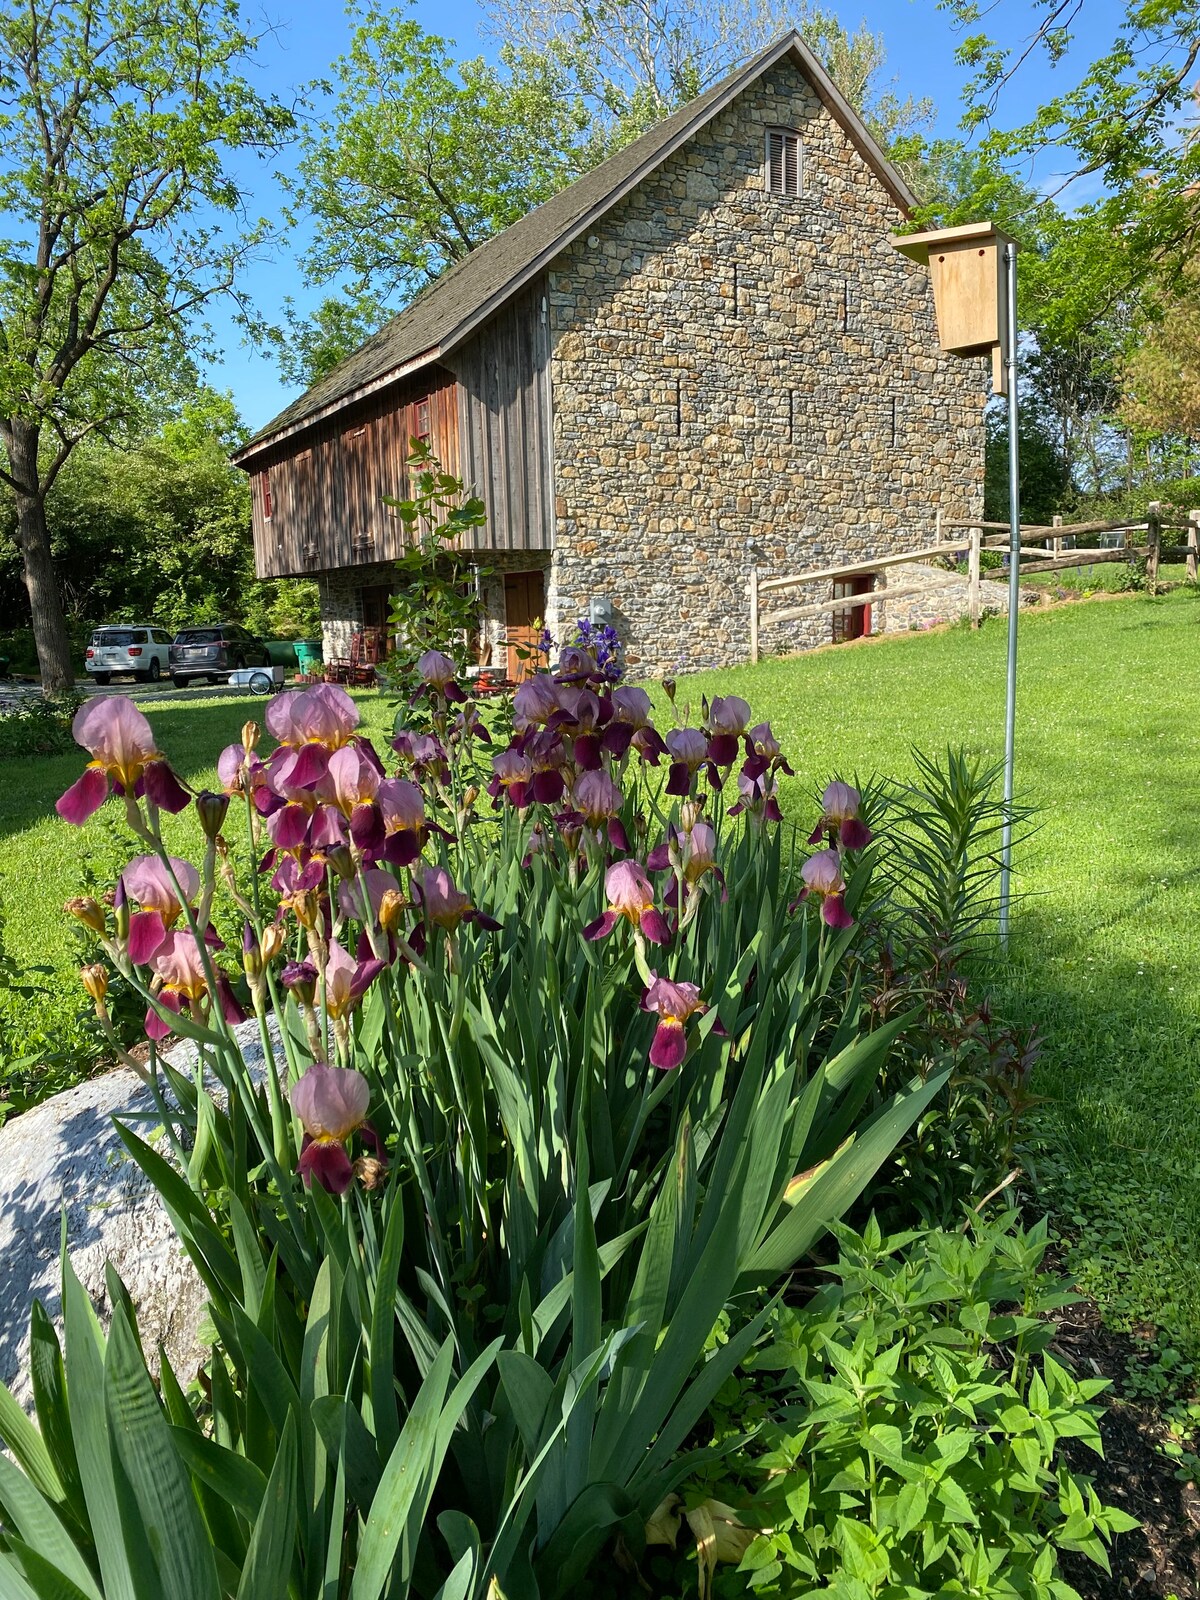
{"x":1014,"y":589}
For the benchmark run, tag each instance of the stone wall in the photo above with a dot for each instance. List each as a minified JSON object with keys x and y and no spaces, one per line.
{"x":341,"y":606}
{"x":945,"y":600}
{"x":744,"y":379}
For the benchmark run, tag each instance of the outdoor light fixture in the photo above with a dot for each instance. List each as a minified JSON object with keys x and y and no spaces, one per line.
{"x":973,"y":270}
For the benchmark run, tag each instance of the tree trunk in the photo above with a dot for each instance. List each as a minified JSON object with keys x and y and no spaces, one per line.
{"x":33,"y":541}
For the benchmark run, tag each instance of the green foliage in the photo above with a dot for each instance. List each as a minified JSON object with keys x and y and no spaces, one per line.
{"x":1046,"y":486}
{"x":159,"y":531}
{"x":38,"y":727}
{"x":422,"y":158}
{"x":908,"y":1426}
{"x":436,"y":606}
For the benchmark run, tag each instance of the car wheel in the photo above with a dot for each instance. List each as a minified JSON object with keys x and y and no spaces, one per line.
{"x":102,"y":678}
{"x":238,"y":663}
{"x":155,"y":671}
{"x":180,"y":683}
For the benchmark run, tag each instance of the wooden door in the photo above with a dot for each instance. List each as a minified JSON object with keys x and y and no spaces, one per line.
{"x":376,"y":615}
{"x":524,"y":607}
{"x":855,"y":621}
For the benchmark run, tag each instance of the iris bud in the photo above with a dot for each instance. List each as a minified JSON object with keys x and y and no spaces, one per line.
{"x":211,"y":809}
{"x":391,"y":910}
{"x":272,"y":941}
{"x":95,"y":980}
{"x":250,"y":732}
{"x":87,"y":909}
{"x":340,"y":859}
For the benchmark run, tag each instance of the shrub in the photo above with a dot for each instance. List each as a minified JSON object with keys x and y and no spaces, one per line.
{"x":908,"y":1427}
{"x":37,"y":727}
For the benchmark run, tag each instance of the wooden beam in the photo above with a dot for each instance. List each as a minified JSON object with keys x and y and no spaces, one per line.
{"x":1082,"y":558}
{"x":973,"y":578}
{"x":1050,"y":530}
{"x":876,"y":597}
{"x":878,"y":565}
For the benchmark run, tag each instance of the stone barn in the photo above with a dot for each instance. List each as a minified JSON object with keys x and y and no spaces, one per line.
{"x":703,"y":356}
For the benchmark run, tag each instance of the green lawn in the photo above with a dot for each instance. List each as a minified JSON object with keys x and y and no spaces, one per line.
{"x":1104,"y":953}
{"x":1105,"y":944}
{"x":43,"y":861}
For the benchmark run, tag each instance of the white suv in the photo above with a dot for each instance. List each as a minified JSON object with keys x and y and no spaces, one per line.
{"x":139,"y":652}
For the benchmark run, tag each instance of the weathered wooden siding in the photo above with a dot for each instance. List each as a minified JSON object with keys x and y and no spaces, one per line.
{"x":504,"y":423}
{"x":327,"y":485}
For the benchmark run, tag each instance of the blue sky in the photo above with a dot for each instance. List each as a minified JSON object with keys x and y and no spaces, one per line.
{"x":304,"y":40}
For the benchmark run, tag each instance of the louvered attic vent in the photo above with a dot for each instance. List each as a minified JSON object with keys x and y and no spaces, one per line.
{"x":785,"y":163}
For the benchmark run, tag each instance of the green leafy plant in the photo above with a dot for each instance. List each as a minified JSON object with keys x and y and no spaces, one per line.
{"x":436,"y":603}
{"x":908,"y":1427}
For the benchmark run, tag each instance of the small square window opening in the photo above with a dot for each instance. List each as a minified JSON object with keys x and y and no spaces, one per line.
{"x":785,"y":162}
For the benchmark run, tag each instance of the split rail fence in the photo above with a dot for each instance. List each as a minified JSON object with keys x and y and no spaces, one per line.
{"x":1043,"y":548}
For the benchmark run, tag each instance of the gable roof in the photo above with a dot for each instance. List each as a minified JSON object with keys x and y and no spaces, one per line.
{"x":447,"y":313}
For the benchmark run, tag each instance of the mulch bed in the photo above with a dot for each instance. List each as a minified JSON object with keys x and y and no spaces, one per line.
{"x":1162,"y":1557}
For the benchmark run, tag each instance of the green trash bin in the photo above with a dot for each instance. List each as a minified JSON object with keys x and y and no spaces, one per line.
{"x":308,"y":655}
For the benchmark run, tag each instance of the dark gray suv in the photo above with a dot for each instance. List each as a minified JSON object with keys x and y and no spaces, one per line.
{"x":213,"y":652}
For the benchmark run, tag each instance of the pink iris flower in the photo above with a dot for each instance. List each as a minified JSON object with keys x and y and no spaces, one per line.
{"x":688,"y":750}
{"x":547,"y":758}
{"x":178,"y":965}
{"x":674,"y":1003}
{"x":352,"y":779}
{"x":311,"y":724}
{"x":331,"y":1103}
{"x":347,"y":980}
{"x":512,"y":779}
{"x":147,"y":881}
{"x":535,"y":702}
{"x":630,"y":895}
{"x":696,"y":853}
{"x":124,"y":757}
{"x":400,"y":806}
{"x":756,"y":794}
{"x":840,"y":806}
{"x":822,"y":875}
{"x":598,"y":800}
{"x":435,"y":668}
{"x":445,"y":904}
{"x":360,"y":897}
{"x":437,"y":674}
{"x":727,"y":718}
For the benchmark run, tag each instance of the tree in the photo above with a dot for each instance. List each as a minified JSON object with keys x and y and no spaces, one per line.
{"x":115,"y":117}
{"x":1162,"y":374}
{"x":633,"y":62}
{"x":423,"y":158}
{"x":1126,"y":122}
{"x":158,"y":530}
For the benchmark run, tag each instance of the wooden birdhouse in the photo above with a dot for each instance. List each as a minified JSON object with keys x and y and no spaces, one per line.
{"x":966,"y":267}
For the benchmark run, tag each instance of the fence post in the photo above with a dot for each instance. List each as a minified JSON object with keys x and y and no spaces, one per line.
{"x":1153,"y":546}
{"x":973,"y":566}
{"x":1193,"y":540}
{"x":1056,"y":541}
{"x":753,"y":615}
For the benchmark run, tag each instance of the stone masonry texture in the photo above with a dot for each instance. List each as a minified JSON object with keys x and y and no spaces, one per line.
{"x":747,"y":379}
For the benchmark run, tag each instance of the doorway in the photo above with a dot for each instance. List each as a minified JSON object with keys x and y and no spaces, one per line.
{"x":524,"y":608}
{"x":855,"y":621}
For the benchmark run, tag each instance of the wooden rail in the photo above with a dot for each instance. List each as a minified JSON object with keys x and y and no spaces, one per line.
{"x":1044,"y":555}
